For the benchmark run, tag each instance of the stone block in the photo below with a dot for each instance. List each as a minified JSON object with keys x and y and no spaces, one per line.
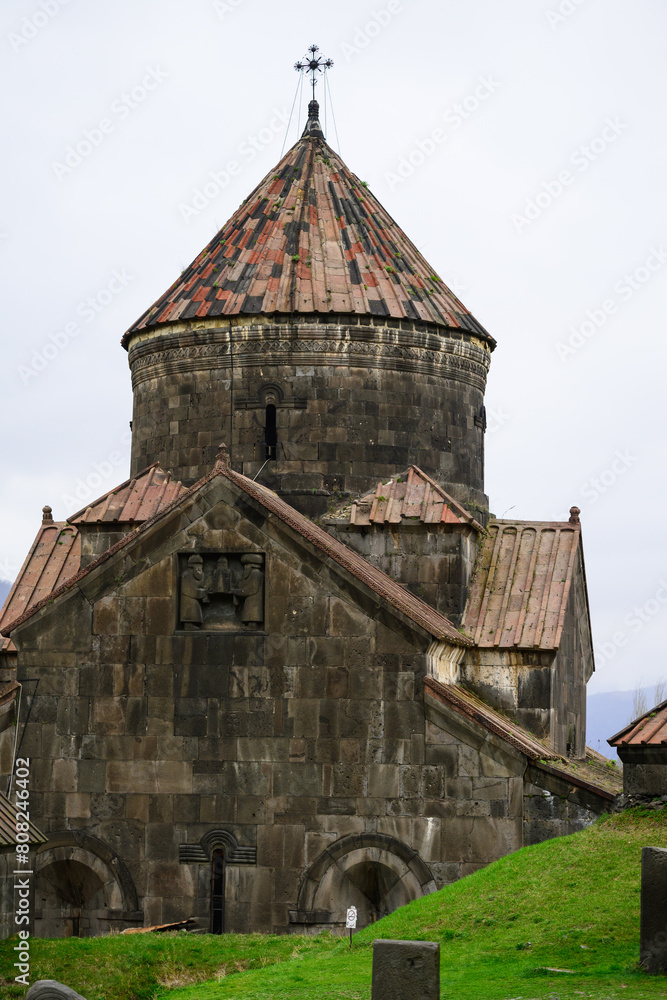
{"x":186,"y":808}
{"x":383,"y":781}
{"x":78,"y":805}
{"x":92,"y":776}
{"x":106,"y":616}
{"x":136,"y":807}
{"x":653,"y":921}
{"x":64,"y":778}
{"x":468,"y":762}
{"x":405,"y":969}
{"x":297,"y":779}
{"x":51,"y":989}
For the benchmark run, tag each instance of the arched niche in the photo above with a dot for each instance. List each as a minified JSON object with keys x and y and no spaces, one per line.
{"x":372,"y":871}
{"x":81,"y":888}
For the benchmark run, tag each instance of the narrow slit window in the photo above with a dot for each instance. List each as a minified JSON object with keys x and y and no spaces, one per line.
{"x":217,"y":924}
{"x":270,"y":432}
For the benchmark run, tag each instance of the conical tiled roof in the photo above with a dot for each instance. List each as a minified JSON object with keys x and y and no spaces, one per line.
{"x":310,"y":239}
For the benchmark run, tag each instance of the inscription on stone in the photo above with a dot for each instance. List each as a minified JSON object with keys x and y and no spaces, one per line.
{"x":221,"y":592}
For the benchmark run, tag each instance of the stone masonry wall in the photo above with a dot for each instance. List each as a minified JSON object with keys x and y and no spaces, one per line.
{"x":435,"y":562}
{"x":355,"y":402}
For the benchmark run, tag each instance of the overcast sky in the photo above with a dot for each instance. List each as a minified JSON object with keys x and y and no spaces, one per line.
{"x":520,"y":145}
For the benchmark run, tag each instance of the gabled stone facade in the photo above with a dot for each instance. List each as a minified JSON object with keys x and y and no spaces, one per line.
{"x":300,"y":746}
{"x":235,"y":715}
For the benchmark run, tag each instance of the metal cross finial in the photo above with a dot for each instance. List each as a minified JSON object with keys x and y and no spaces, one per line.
{"x":313,"y":64}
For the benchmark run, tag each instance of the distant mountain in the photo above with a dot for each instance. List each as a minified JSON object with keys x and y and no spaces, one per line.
{"x":5,"y":587}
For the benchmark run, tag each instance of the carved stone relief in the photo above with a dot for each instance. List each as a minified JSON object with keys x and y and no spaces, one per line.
{"x":222,"y":592}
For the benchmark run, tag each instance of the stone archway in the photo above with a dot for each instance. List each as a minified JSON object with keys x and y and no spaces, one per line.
{"x":372,"y":871}
{"x":81,"y":888}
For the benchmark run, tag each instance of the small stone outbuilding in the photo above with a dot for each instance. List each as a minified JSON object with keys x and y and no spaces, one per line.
{"x":642,"y":747}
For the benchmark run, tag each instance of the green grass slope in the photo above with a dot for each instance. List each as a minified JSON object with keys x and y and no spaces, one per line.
{"x":571,"y":904}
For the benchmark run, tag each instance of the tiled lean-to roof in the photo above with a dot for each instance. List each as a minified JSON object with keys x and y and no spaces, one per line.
{"x":54,"y":557}
{"x":8,"y":818}
{"x":521,"y":585}
{"x":593,"y":772}
{"x":414,"y":496}
{"x":134,"y":501}
{"x":649,"y":729}
{"x":310,"y":239}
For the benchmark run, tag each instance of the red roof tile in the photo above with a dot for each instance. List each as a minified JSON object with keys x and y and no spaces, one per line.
{"x":521,"y":584}
{"x":310,"y":239}
{"x":55,"y":557}
{"x":415,"y":496}
{"x":648,"y":730}
{"x":134,"y":501}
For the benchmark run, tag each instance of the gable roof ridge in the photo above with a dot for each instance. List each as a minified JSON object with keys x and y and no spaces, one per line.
{"x":468,"y":704}
{"x":451,"y":502}
{"x":111,"y":492}
{"x":120,"y":544}
{"x":396,"y":595}
{"x":21,"y":588}
{"x":634,"y":728}
{"x":402,"y":600}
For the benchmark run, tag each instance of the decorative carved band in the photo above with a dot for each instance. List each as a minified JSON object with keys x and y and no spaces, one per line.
{"x":462,"y":361}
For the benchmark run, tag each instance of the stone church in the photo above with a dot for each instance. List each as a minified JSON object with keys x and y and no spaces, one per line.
{"x":265,"y":680}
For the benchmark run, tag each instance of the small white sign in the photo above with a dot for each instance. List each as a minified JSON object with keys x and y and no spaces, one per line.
{"x":351,"y":917}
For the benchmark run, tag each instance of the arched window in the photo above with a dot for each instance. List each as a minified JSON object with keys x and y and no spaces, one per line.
{"x":270,"y":432}
{"x":217,"y":923}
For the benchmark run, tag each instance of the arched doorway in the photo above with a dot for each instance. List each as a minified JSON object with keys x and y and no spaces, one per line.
{"x":81,"y":888}
{"x":374,"y":872}
{"x":67,"y":891}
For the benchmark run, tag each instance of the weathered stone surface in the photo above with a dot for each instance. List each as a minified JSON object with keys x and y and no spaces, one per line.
{"x":406,"y":970}
{"x":49,"y":989}
{"x":653,"y":923}
{"x":275,"y":746}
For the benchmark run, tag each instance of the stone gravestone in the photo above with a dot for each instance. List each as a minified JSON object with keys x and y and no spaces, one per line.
{"x":49,"y":989}
{"x":653,"y":928}
{"x":406,"y":970}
